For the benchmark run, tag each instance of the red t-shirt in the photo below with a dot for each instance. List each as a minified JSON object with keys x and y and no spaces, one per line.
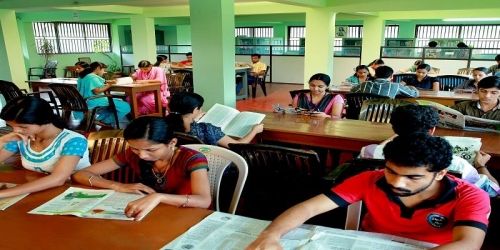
{"x":177,"y":179}
{"x":433,"y":220}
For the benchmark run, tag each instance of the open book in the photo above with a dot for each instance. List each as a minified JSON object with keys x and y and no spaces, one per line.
{"x":88,"y":203}
{"x":124,"y":80}
{"x":231,"y":121}
{"x":7,"y":202}
{"x":229,"y":231}
{"x":450,"y":118}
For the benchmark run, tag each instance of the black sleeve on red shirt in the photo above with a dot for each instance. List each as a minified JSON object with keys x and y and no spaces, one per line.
{"x":471,"y":223}
{"x":337,"y":199}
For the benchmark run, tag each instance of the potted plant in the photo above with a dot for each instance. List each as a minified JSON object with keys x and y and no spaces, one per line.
{"x":114,"y":70}
{"x":46,"y":50}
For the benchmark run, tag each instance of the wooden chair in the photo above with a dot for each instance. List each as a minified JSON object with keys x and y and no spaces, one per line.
{"x":449,"y":82}
{"x":354,"y":101}
{"x":10,"y":91}
{"x":48,"y":71}
{"x":176,"y":82}
{"x":219,"y":159}
{"x":183,"y":138}
{"x":105,"y":144}
{"x":379,"y":110}
{"x":85,"y":59}
{"x":279,"y":177}
{"x":70,"y":72}
{"x":401,"y":76}
{"x":128,"y":70}
{"x":293,"y":93}
{"x":72,"y":101}
{"x":261,"y":80}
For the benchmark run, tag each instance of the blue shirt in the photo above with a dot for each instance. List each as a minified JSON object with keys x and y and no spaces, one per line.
{"x":206,"y":132}
{"x":426,"y":83}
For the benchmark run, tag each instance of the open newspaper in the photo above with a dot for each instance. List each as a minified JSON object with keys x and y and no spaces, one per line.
{"x":231,"y":121}
{"x":88,"y":203}
{"x":465,"y":147}
{"x":228,"y":231}
{"x":7,"y":202}
{"x":450,"y":118}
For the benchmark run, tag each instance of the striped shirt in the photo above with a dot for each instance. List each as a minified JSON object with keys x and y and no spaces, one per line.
{"x":384,"y":87}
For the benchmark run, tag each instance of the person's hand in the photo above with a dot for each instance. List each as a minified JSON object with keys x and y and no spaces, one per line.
{"x":137,"y":188}
{"x":16,"y":135}
{"x":481,"y":159}
{"x":319,"y":114}
{"x":265,"y":241}
{"x":110,"y":82}
{"x":258,"y":128}
{"x":139,"y":208}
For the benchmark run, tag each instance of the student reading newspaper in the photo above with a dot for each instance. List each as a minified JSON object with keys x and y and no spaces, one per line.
{"x":412,"y":197}
{"x":423,"y":119}
{"x":488,"y":106}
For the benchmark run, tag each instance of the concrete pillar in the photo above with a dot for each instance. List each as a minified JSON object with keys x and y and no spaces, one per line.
{"x":143,"y":38}
{"x":13,"y":60}
{"x":373,"y":36}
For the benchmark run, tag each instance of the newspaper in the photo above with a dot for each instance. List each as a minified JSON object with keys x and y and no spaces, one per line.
{"x":228,"y":231}
{"x":465,"y":147}
{"x":7,"y":202}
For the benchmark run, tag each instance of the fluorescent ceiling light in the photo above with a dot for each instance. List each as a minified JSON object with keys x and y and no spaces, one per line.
{"x":471,"y":19}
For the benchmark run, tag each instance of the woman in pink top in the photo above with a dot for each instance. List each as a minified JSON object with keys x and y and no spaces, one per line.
{"x":149,"y":74}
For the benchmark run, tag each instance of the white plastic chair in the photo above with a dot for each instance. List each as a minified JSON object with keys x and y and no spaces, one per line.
{"x":218,"y":160}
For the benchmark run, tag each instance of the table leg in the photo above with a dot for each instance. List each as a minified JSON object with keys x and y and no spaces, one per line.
{"x":244,"y":79}
{"x":133,"y":103}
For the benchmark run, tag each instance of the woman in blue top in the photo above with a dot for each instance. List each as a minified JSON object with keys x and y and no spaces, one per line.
{"x":362,"y":75}
{"x":185,"y":110}
{"x":421,"y":79}
{"x":91,"y":84}
{"x":43,"y":143}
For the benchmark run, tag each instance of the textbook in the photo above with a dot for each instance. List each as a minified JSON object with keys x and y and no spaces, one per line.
{"x":88,"y":203}
{"x":231,"y":121}
{"x":450,"y":118}
{"x":7,"y":202}
{"x":228,"y":231}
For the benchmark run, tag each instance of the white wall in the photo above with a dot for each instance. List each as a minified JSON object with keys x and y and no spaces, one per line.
{"x":343,"y":67}
{"x":399,"y":64}
{"x":447,"y":67}
{"x":487,"y":64}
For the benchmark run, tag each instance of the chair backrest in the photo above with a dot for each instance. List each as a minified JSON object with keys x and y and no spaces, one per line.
{"x":449,"y":82}
{"x":9,"y":90}
{"x":85,"y":59}
{"x":176,"y":82}
{"x":379,"y":110}
{"x":69,"y":97}
{"x":218,"y":160}
{"x":399,"y":77}
{"x":104,"y":145}
{"x":263,"y":77}
{"x":464,"y":71}
{"x":354,"y":101}
{"x":279,"y":177}
{"x":183,"y":138}
{"x":51,"y":64}
{"x":128,"y":70}
{"x":293,"y":93}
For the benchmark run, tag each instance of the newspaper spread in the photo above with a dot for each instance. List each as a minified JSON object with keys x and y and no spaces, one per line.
{"x":88,"y":203}
{"x":465,"y":147}
{"x":7,"y":202}
{"x":228,"y":231}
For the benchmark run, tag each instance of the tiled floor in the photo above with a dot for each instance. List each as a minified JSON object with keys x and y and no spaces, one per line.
{"x":276,"y":93}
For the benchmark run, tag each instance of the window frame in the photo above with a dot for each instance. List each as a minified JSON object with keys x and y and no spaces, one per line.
{"x":252,"y":31}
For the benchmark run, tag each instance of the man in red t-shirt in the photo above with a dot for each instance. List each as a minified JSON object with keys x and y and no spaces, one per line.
{"x":412,"y":197}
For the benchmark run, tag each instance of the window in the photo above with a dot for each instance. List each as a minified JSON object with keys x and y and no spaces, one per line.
{"x":254,"y":31}
{"x":391,"y":31}
{"x":477,"y":36}
{"x":295,"y":34}
{"x":72,"y":37}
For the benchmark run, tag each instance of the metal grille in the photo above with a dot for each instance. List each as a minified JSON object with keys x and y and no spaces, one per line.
{"x":72,"y":37}
{"x":254,"y":31}
{"x":294,"y":35}
{"x":391,"y":31}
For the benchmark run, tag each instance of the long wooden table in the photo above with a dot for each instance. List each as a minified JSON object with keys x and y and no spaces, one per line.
{"x":447,"y":98}
{"x":129,"y":89}
{"x":20,"y":230}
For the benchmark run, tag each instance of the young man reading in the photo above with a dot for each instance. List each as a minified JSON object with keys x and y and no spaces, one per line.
{"x":488,"y":106}
{"x":412,"y":197}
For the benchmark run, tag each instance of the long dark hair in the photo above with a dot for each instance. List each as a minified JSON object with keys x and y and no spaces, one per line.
{"x":181,"y":104}
{"x":362,"y":66}
{"x":159,"y":59}
{"x":321,"y":77}
{"x":31,"y":110}
{"x":144,"y":64}
{"x":93,"y":66}
{"x":151,"y":128}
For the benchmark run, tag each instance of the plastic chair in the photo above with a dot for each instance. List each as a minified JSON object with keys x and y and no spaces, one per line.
{"x":10,"y":91}
{"x":261,"y":80}
{"x":400,"y":77}
{"x":105,"y":144}
{"x":354,"y":101}
{"x":183,"y":138}
{"x":449,"y":82}
{"x":379,"y":110}
{"x":71,"y":100}
{"x":464,"y":71}
{"x":218,"y":160}
{"x":279,"y":177}
{"x":48,"y":71}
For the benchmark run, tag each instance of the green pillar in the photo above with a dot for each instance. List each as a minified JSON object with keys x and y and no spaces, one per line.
{"x":13,"y":51}
{"x":143,"y":38}
{"x":373,"y":35}
{"x":320,"y":32}
{"x":212,"y":33}
{"x":115,"y":40}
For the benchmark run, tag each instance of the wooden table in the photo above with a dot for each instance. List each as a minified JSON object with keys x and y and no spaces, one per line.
{"x":446,"y":98}
{"x":21,"y":230}
{"x":129,"y":89}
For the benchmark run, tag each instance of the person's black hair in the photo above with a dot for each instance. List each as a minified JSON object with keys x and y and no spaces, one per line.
{"x":419,"y":150}
{"x":376,"y":61}
{"x":413,"y":118}
{"x":482,"y":69}
{"x":144,"y":64}
{"x":462,"y":45}
{"x":82,"y":64}
{"x":189,"y":54}
{"x":362,"y":67}
{"x":383,"y":72}
{"x":31,"y":110}
{"x":255,"y":54}
{"x":159,"y":59}
{"x":150,"y":128}
{"x":93,"y":66}
{"x":424,"y":66}
{"x":321,"y":77}
{"x":497,"y":57}
{"x":432,"y":44}
{"x":489,"y":82}
{"x":180,"y":104}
